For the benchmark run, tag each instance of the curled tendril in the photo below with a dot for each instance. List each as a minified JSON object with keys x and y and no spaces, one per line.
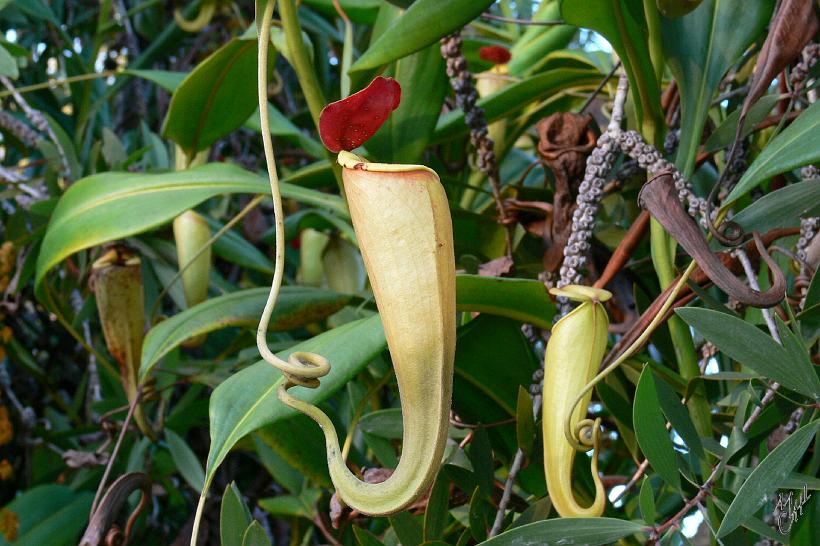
{"x":206,"y":13}
{"x":659,"y":197}
{"x":728,"y":232}
{"x":586,"y":431}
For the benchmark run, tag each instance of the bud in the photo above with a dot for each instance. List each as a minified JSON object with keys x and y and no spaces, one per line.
{"x":191,"y":233}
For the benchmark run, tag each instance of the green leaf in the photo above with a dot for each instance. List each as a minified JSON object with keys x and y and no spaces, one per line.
{"x":296,"y":307}
{"x":112,"y":149}
{"x":359,"y":11}
{"x":539,"y":41}
{"x":650,"y":430}
{"x":302,"y":505}
{"x":748,"y":345}
{"x":365,"y":537}
{"x":481,"y":458}
{"x":281,"y":126}
{"x":386,"y":423}
{"x":537,"y":511}
{"x":476,"y":234}
{"x":519,"y":299}
{"x":795,"y":480}
{"x":524,"y":421}
{"x":420,"y":26}
{"x":233,"y":247}
{"x":185,"y":460}
{"x":255,"y":535}
{"x":725,"y":133}
{"x":215,"y":98}
{"x":676,"y":414}
{"x":405,"y":134}
{"x":114,"y":205}
{"x":408,"y":528}
{"x":518,"y":95}
{"x":646,"y":500}
{"x":700,"y":47}
{"x":8,"y":64}
{"x":39,"y":10}
{"x":794,"y":147}
{"x":492,"y":359}
{"x":523,"y":300}
{"x":555,"y":532}
{"x":247,"y":400}
{"x":436,"y":515}
{"x":622,"y":23}
{"x":234,"y":517}
{"x":166,"y":79}
{"x":280,"y":470}
{"x":781,"y":208}
{"x":49,"y":514}
{"x":477,"y":516}
{"x":769,"y":475}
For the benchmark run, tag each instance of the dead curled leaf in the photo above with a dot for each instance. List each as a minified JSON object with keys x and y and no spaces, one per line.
{"x":499,"y":267}
{"x":660,"y":197}
{"x":792,"y":28}
{"x":532,"y":215}
{"x":84,"y":459}
{"x":565,"y":141}
{"x":698,"y":277}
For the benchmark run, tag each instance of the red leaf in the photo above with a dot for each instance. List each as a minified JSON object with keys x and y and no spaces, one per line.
{"x":350,"y":122}
{"x":495,"y":54}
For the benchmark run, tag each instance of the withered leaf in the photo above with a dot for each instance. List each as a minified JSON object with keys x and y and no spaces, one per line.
{"x":565,"y":141}
{"x":792,"y":27}
{"x":660,"y":198}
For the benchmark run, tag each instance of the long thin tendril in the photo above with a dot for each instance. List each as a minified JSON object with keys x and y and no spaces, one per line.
{"x":301,"y":368}
{"x":580,"y":437}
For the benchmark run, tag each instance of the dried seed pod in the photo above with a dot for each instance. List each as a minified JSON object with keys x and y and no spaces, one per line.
{"x":191,"y":233}
{"x":574,"y":354}
{"x":402,"y":222}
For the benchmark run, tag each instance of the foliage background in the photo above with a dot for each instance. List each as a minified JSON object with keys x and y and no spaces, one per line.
{"x":114,"y":121}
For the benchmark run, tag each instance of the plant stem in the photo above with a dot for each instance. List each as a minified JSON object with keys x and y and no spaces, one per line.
{"x":59,"y":81}
{"x":132,"y":408}
{"x":347,"y":50}
{"x":653,"y":22}
{"x":767,"y":316}
{"x":528,"y":22}
{"x":305,"y":72}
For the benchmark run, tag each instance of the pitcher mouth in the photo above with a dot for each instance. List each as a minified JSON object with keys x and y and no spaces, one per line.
{"x":349,"y":160}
